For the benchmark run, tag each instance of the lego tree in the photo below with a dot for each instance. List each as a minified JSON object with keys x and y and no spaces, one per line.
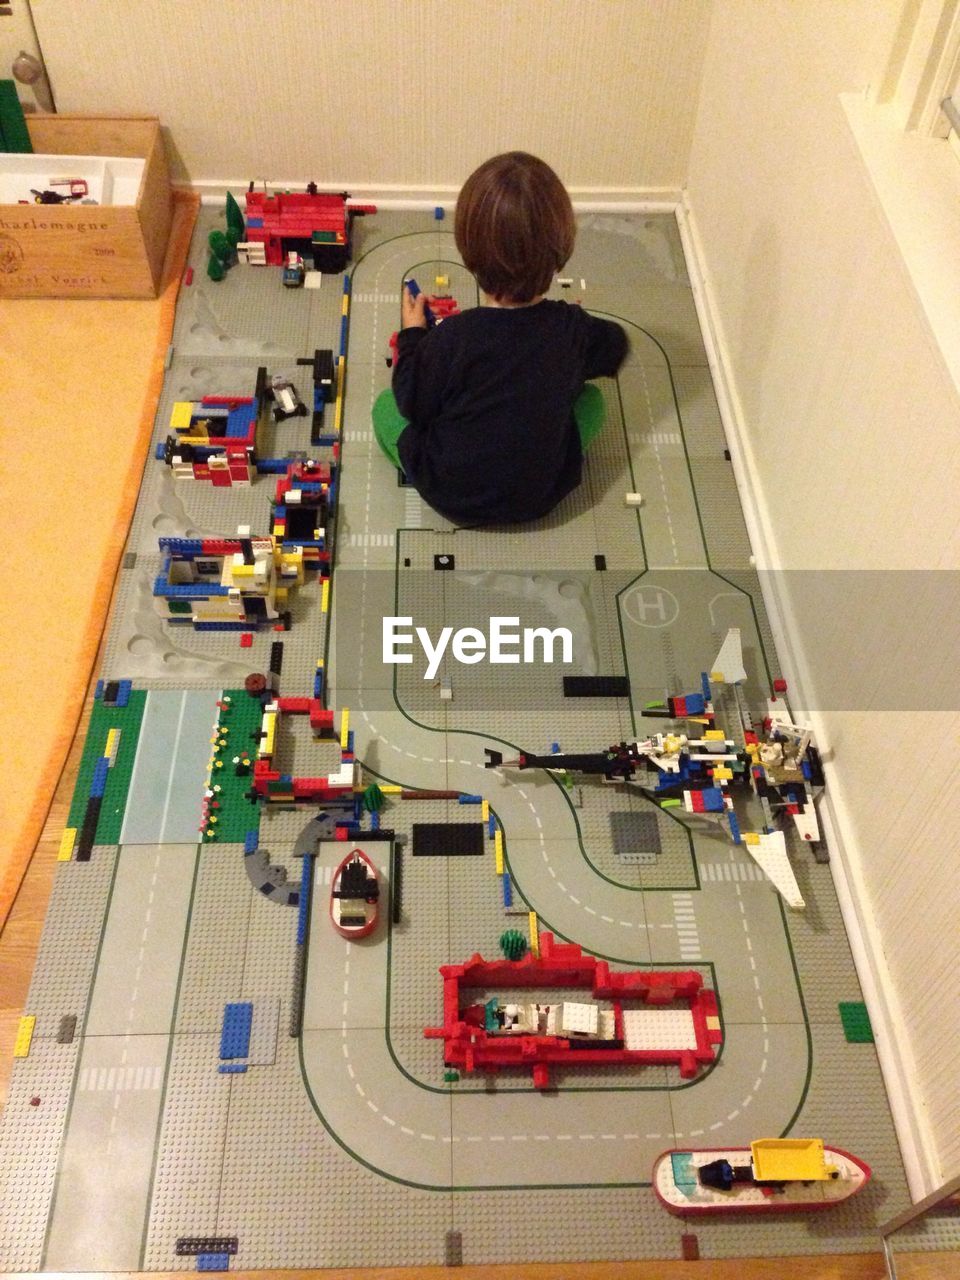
{"x":235,"y":221}
{"x":220,"y":247}
{"x":513,"y":944}
{"x":215,"y":268}
{"x":373,"y":799}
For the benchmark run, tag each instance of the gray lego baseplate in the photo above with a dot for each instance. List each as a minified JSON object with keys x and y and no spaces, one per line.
{"x":349,"y":1145}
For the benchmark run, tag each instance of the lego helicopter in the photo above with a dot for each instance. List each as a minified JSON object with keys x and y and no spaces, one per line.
{"x":778,"y":763}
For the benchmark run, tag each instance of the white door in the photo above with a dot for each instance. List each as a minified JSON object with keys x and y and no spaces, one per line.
{"x":17,"y":38}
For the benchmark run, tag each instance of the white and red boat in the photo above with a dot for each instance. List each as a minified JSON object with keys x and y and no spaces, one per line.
{"x":772,"y":1175}
{"x":355,"y":896}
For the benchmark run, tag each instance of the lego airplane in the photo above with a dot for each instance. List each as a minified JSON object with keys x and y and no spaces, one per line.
{"x":782,"y":767}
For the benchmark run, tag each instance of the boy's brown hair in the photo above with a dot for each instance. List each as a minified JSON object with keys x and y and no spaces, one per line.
{"x":514,"y":226}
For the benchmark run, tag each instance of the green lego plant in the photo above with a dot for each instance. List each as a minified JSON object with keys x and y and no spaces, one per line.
{"x":215,"y":268}
{"x":220,"y":246}
{"x":235,"y":221}
{"x":513,"y":944}
{"x":373,"y":799}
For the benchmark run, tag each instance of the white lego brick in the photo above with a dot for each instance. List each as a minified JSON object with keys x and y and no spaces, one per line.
{"x":659,"y":1029}
{"x":633,"y":499}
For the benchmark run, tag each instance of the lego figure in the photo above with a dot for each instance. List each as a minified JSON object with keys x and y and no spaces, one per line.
{"x":489,"y":413}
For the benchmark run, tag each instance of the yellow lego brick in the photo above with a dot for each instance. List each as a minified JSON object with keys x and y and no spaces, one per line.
{"x":345,"y":305}
{"x":181,"y":415}
{"x":243,"y":570}
{"x":714,"y":735}
{"x":498,"y":851}
{"x":441,"y":281}
{"x":325,"y":595}
{"x":344,"y":728}
{"x":485,"y":812}
{"x":21,"y":1046}
{"x":534,"y":933}
{"x":67,"y":841}
{"x":751,"y":837}
{"x":268,"y":728}
{"x":716,"y":677}
{"x":111,"y":745}
{"x":390,"y":788}
{"x":721,"y":774}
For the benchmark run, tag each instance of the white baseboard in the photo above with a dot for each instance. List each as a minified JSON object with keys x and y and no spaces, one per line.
{"x":896,"y":1059}
{"x":390,"y":196}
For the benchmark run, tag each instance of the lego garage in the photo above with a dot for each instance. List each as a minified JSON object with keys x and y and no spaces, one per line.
{"x":392,"y":884}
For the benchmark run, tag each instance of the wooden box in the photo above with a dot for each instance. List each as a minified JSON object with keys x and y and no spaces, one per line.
{"x":89,"y":251}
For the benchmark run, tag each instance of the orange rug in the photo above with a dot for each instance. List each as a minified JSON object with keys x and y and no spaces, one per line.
{"x":81,"y":381}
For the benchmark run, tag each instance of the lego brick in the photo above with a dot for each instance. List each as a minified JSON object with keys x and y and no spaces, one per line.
{"x":25,"y":1027}
{"x":596,"y":687}
{"x":67,"y":1028}
{"x":447,"y":839}
{"x":191,"y":1246}
{"x":235,"y":1033}
{"x":856,"y":1022}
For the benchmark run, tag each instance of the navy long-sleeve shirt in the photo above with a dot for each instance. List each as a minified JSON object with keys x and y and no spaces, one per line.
{"x":489,"y":396}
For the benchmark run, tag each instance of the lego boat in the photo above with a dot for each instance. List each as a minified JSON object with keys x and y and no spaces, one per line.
{"x":772,"y":1175}
{"x":355,"y":896}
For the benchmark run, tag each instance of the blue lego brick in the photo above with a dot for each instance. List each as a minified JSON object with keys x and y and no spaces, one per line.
{"x":705,"y":685}
{"x":254,"y":222}
{"x":734,"y":827}
{"x":303,"y":906}
{"x":326,"y":439}
{"x":223,"y":626}
{"x":98,"y":692}
{"x":696,"y":704}
{"x":350,"y":742}
{"x":160,"y":451}
{"x":213,"y":1262}
{"x":464,"y":799}
{"x":554,"y":748}
{"x":272,"y":466}
{"x":806,"y":770}
{"x":318,"y":682}
{"x":251,"y":842}
{"x":123,"y":693}
{"x":712,"y":800}
{"x":235,"y":1034}
{"x":507,"y":890}
{"x":491,"y":826}
{"x":438,"y":213}
{"x":414,"y":290}
{"x":99,"y":781}
{"x":188,"y":547}
{"x":232,"y":1068}
{"x":374,"y":822}
{"x":239,"y":420}
{"x":343,"y":335}
{"x":357,"y":806}
{"x":286,"y":778}
{"x":187,"y":590}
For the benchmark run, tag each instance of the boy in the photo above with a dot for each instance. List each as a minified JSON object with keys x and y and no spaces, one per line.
{"x":488,"y":433}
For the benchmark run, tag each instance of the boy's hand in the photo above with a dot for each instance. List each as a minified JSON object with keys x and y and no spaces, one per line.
{"x":411,"y":310}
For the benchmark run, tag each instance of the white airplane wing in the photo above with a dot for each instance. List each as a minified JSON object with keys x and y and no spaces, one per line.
{"x":806,"y":824}
{"x":769,"y":851}
{"x":728,"y":664}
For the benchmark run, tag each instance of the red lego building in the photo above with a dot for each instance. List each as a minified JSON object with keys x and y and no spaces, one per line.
{"x":315,"y":226}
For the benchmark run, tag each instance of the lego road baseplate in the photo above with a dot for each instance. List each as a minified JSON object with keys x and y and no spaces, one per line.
{"x":213,"y":1074}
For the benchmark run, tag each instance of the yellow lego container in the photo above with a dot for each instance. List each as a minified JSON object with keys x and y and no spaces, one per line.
{"x":790,"y":1160}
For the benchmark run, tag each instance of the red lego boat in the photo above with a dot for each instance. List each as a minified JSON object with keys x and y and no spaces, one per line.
{"x":355,"y":896}
{"x":624,"y":1017}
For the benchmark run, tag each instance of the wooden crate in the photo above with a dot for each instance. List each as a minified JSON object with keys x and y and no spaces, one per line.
{"x":90,"y":251}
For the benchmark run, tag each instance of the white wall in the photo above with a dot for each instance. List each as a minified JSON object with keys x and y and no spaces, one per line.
{"x":851,"y":424}
{"x":369,"y":93}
